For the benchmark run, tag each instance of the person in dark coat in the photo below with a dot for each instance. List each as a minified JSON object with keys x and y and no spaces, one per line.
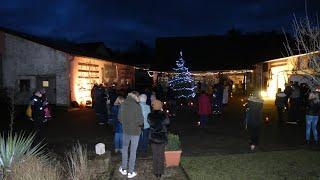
{"x":117,"y":125}
{"x":280,"y":102}
{"x":288,"y":91}
{"x":112,"y":95}
{"x":312,"y":116}
{"x":38,"y":115}
{"x":131,"y":118}
{"x":158,"y":136}
{"x":148,"y":93}
{"x":100,"y":106}
{"x":159,"y":92}
{"x":94,"y":94}
{"x":215,"y":108}
{"x":294,"y":110}
{"x":219,"y":96}
{"x":254,"y":119}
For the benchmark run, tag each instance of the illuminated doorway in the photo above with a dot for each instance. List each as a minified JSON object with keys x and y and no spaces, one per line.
{"x":277,"y":80}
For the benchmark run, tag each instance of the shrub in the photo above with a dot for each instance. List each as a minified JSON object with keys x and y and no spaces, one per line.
{"x":16,"y":147}
{"x":78,"y":168}
{"x":35,"y":168}
{"x":174,"y":143}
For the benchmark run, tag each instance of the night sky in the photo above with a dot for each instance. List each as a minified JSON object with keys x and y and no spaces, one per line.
{"x":119,"y":23}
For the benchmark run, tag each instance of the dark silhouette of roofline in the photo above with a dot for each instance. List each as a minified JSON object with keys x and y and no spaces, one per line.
{"x":66,"y":47}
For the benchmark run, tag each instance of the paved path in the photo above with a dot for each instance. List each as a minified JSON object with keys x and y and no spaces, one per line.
{"x":144,"y":169}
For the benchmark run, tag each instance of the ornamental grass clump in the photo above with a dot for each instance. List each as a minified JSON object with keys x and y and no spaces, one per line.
{"x":35,"y":168}
{"x":77,"y":158}
{"x":16,"y":147}
{"x":174,"y":143}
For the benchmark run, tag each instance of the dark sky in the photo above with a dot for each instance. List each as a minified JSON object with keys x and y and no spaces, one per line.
{"x":120,"y":22}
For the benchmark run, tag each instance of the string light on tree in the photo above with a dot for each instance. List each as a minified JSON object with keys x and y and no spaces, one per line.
{"x":182,"y":82}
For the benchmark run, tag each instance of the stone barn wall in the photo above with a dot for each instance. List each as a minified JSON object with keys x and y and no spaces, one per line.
{"x":27,"y":61}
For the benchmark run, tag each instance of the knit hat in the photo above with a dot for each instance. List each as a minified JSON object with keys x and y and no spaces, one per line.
{"x":156,"y":105}
{"x":143,"y":98}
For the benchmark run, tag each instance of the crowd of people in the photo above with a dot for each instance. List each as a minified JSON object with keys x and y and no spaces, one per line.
{"x":138,"y":120}
{"x":295,"y":101}
{"x":212,"y":103}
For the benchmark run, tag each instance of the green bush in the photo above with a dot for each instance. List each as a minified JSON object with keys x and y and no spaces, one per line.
{"x":174,"y":143}
{"x":15,"y":147}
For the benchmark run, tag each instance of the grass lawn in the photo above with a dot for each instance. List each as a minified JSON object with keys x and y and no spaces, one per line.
{"x":298,"y":164}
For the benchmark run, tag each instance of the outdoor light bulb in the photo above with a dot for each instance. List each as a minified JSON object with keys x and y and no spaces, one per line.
{"x":267,"y":118}
{"x":167,"y":111}
{"x":263,"y":94}
{"x":181,"y":104}
{"x":198,"y":123}
{"x":164,"y":103}
{"x":191,"y":104}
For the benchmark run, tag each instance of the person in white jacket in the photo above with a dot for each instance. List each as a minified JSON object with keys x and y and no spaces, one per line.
{"x":144,"y":137}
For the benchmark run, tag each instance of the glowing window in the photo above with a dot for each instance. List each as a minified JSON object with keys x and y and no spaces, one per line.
{"x":45,"y":83}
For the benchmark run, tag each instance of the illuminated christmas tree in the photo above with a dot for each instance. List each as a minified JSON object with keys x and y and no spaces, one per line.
{"x":182,"y":82}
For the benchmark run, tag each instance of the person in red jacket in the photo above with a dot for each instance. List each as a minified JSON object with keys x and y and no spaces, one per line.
{"x":204,"y":108}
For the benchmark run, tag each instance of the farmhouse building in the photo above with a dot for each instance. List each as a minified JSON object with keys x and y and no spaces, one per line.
{"x":67,"y":71}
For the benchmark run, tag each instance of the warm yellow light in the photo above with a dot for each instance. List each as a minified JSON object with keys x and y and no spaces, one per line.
{"x":267,"y":119}
{"x":263,"y":94}
{"x":277,"y":80}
